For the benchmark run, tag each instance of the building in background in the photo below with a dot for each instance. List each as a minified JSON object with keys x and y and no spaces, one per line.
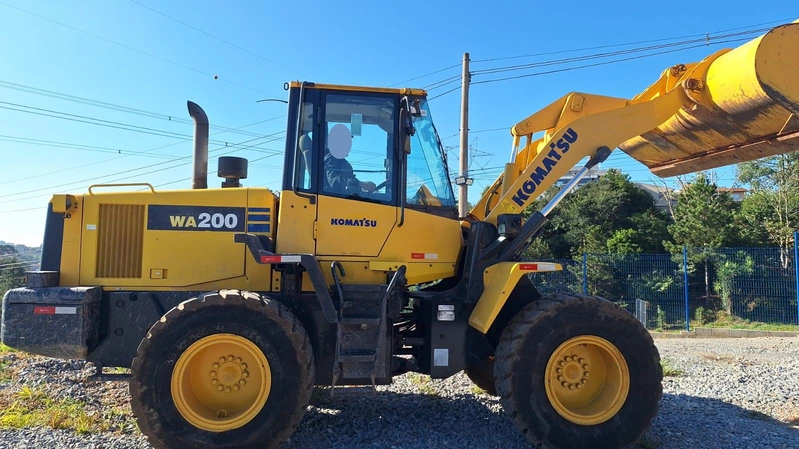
{"x":592,"y":175}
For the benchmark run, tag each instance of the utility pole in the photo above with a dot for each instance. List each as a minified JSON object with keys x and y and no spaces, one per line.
{"x":463,"y":180}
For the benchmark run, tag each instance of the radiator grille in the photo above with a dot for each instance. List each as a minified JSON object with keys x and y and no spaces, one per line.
{"x":120,"y":231}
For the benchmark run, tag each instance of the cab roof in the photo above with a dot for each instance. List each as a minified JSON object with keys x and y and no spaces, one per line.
{"x":399,"y":91}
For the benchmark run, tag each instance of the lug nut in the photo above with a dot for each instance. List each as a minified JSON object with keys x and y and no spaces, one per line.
{"x":244,"y":366}
{"x":586,"y":374}
{"x":564,"y":384}
{"x":585,"y":367}
{"x":214,"y":381}
{"x":559,"y":371}
{"x":235,"y":388}
{"x":584,"y":381}
{"x":572,"y":387}
{"x":220,"y":388}
{"x":227,"y":390}
{"x":238,"y":360}
{"x":568,"y":358}
{"x":215,"y":366}
{"x":221,"y":360}
{"x":242,"y":382}
{"x":560,"y":378}
{"x":230,"y":358}
{"x":213,"y":373}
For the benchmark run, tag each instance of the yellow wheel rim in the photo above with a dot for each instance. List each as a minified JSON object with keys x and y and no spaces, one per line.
{"x":587,"y":380}
{"x":221,"y":382}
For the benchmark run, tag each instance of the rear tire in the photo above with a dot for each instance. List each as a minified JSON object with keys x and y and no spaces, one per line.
{"x":190,"y":386}
{"x":578,"y":371}
{"x":482,"y":375}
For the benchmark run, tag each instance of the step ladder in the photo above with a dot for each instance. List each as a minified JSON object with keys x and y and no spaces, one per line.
{"x":361,"y":338}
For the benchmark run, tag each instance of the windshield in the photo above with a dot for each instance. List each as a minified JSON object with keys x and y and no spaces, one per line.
{"x":428,"y":177}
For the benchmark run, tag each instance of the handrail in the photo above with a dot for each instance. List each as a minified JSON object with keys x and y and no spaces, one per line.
{"x":124,"y":184}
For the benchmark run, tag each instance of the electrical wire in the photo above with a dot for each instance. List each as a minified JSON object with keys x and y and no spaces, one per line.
{"x":477,"y":61}
{"x":442,"y":94}
{"x":105,"y":105}
{"x":217,"y":38}
{"x":704,"y":41}
{"x":126,"y":155}
{"x":130,"y":170}
{"x":599,"y":63}
{"x":423,"y":76}
{"x":128,"y":47}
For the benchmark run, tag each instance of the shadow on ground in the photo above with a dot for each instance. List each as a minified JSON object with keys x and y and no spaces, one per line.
{"x":399,"y":421}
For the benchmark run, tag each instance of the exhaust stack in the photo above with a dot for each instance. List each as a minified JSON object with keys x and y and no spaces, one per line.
{"x":200,"y":177}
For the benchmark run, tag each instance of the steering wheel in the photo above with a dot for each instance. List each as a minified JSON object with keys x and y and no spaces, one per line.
{"x":380,"y":186}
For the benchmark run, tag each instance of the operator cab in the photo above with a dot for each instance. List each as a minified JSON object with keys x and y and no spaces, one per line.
{"x":366,"y":144}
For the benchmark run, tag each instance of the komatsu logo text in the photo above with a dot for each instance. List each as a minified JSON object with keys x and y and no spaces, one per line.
{"x":556,"y":151}
{"x":365,"y":222}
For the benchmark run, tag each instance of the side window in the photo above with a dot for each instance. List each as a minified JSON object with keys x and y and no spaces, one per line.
{"x":359,"y":147}
{"x":305,"y":146}
{"x":428,"y":178}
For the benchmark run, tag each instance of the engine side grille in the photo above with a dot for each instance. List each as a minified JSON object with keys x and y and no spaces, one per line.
{"x":120,"y":231}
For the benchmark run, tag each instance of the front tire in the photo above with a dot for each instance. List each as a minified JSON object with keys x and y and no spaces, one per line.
{"x":578,"y":371}
{"x":224,"y":370}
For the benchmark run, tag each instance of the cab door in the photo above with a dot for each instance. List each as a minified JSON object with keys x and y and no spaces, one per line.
{"x":356,"y":153}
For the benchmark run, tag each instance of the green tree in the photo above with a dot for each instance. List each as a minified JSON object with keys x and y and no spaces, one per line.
{"x":771,"y":211}
{"x":12,"y":271}
{"x":589,"y":219}
{"x":703,"y":219}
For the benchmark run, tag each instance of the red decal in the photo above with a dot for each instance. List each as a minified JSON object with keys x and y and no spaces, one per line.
{"x":44,"y":310}
{"x":528,"y":266}
{"x":270,"y":259}
{"x":417,"y":255}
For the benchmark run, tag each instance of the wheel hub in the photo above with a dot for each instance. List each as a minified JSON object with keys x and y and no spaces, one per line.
{"x":587,"y":380}
{"x":573,"y":372}
{"x":221,"y":382}
{"x":229,"y":374}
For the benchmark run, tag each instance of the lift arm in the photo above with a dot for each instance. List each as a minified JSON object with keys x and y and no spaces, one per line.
{"x":734,"y":106}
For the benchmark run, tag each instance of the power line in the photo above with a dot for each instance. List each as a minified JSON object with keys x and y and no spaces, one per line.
{"x":72,"y":146}
{"x":444,"y":93}
{"x":128,"y":47}
{"x":627,"y":43}
{"x":600,"y":63}
{"x":133,"y":169}
{"x":101,"y":104}
{"x":706,"y":41}
{"x":217,"y":38}
{"x":425,"y":75}
{"x":442,"y":83}
{"x":96,"y":121}
{"x":127,"y":155}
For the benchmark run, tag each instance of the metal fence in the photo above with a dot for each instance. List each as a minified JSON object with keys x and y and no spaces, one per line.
{"x":722,"y":286}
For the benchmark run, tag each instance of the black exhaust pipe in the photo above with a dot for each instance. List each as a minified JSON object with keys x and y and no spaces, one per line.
{"x":200,"y":178}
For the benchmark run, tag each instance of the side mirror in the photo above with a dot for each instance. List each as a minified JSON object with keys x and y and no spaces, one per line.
{"x":407,"y":130}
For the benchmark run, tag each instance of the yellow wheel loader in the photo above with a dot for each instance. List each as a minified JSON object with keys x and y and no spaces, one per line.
{"x":230,"y":304}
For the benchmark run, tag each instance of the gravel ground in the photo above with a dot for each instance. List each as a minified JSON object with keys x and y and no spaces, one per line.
{"x":731,"y":393}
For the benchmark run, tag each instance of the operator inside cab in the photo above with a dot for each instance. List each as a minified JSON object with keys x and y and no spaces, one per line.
{"x":339,"y":174}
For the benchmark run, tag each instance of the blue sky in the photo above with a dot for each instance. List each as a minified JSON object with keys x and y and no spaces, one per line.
{"x":123,"y":54}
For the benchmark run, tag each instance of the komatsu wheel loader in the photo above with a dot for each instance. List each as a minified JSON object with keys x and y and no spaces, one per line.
{"x":230,"y":304}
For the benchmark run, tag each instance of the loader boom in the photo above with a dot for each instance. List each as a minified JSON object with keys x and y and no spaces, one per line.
{"x":734,"y":106}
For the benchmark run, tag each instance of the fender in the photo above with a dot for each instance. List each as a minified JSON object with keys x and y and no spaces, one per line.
{"x":499,"y":281}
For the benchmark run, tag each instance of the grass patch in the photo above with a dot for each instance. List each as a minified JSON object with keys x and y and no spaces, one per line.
{"x":34,"y":408}
{"x":5,"y":349}
{"x":423,"y":383}
{"x":724,"y":320}
{"x":5,"y":371}
{"x":477,"y":390}
{"x":669,"y":370}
